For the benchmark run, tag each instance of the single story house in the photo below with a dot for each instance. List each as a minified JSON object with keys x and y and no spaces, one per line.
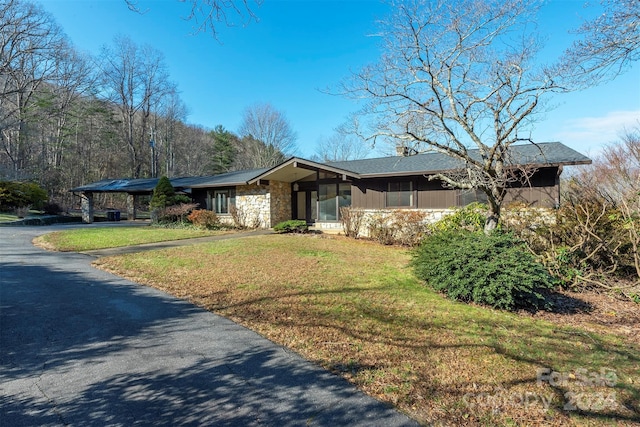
{"x":312,"y":191}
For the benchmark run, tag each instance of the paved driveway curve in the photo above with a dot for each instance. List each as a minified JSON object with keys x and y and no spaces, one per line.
{"x":82,"y":347}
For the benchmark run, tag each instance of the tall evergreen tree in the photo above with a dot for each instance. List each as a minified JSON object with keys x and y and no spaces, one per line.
{"x":163,"y":194}
{"x":223,"y":152}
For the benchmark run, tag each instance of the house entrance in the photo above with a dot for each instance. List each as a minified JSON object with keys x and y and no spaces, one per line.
{"x":324,"y":203}
{"x":307,"y":206}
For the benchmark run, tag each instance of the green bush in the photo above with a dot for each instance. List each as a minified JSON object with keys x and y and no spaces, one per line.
{"x":15,"y":194}
{"x":471,"y":217}
{"x":291,"y":226}
{"x":496,"y":270}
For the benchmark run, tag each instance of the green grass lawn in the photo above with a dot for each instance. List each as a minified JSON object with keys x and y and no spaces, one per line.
{"x":356,"y":308}
{"x":4,"y":216}
{"x":86,"y":239}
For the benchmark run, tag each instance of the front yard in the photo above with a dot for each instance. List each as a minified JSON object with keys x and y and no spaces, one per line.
{"x":356,"y":308}
{"x":86,"y":239}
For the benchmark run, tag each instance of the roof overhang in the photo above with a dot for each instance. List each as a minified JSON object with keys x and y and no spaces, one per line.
{"x":296,"y":169}
{"x":532,"y":165}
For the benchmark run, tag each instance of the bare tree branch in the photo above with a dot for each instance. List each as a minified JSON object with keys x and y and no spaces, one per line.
{"x":208,"y":14}
{"x":451,"y":82}
{"x":609,"y":44}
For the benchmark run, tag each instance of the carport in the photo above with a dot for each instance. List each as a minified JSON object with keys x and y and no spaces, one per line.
{"x":132,"y":187}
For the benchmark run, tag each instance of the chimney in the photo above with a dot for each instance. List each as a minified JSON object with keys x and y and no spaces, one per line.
{"x":402,"y":151}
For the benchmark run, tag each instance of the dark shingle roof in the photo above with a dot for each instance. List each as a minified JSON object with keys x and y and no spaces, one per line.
{"x":146,"y":185}
{"x":548,"y":153}
{"x":141,"y":185}
{"x":229,"y":178}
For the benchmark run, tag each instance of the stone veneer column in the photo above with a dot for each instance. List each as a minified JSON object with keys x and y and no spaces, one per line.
{"x":86,"y":205}
{"x":131,"y":207}
{"x":280,"y":193}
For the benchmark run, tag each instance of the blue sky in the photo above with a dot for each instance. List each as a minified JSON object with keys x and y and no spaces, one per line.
{"x":301,"y":47}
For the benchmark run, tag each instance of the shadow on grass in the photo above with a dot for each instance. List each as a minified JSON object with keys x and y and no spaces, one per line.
{"x":530,"y":342}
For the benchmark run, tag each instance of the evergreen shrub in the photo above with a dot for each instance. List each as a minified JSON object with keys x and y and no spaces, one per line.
{"x":495,"y":270}
{"x":16,"y":194}
{"x":291,"y":226}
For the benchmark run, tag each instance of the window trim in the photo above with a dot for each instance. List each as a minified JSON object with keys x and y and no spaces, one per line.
{"x":412,"y":194}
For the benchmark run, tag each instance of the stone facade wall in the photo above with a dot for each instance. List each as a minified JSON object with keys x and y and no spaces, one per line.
{"x":280,"y":201}
{"x":252,"y":204}
{"x":261,"y":206}
{"x":432,"y":215}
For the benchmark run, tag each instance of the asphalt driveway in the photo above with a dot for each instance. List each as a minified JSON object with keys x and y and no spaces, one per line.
{"x":79,"y":346}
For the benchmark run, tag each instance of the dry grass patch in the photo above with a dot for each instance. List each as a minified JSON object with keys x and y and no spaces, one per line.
{"x":355,"y":308}
{"x":86,"y":239}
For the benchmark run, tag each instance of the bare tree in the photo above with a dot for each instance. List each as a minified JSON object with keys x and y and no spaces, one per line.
{"x":608,"y":44}
{"x":452,"y":82}
{"x":29,"y":42}
{"x":135,"y":79}
{"x":208,"y":14}
{"x":340,"y":146}
{"x":173,"y":111}
{"x":267,"y":135}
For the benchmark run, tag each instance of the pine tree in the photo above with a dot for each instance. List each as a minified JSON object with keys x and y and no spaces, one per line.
{"x":163,"y":194}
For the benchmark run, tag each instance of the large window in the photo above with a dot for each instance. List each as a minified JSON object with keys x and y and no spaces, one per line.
{"x":400,"y":194}
{"x":331,"y":198}
{"x":221,"y":200}
{"x":344,"y":196}
{"x":327,"y":206}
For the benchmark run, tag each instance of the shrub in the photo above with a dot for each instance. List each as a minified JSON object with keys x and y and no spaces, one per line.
{"x":52,"y":208}
{"x":398,"y":227}
{"x":176,"y":213}
{"x":204,"y":219}
{"x":351,"y":219}
{"x":381,"y":228}
{"x":410,"y":227}
{"x":14,"y":194}
{"x":495,"y":270}
{"x":587,"y":245}
{"x":243,"y":219}
{"x":471,"y":217}
{"x":22,"y":212}
{"x":291,"y":226}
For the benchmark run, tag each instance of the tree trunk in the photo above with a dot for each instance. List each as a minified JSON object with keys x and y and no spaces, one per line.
{"x":493,"y":216}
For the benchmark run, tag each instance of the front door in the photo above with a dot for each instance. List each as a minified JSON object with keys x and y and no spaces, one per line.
{"x":307,"y":206}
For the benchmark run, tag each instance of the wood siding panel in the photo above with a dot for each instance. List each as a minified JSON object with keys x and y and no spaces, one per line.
{"x":432,"y":195}
{"x":437,"y":199}
{"x":368,"y":194}
{"x":544,"y":197}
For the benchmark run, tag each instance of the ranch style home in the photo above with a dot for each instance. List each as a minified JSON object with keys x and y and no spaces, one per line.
{"x":315,"y":192}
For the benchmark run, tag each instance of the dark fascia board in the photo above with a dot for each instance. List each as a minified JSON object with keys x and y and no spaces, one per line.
{"x":436,"y":172}
{"x":221,"y":185}
{"x":304,"y":164}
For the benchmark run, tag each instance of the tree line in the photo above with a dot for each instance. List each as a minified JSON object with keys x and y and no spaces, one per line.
{"x":67,"y":118}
